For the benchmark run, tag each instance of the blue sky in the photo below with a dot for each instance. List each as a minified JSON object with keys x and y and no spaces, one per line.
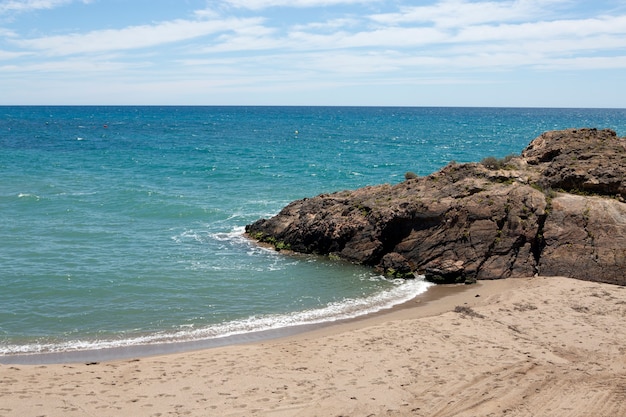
{"x":526,"y":53}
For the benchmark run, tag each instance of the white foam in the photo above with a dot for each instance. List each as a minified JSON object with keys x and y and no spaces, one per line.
{"x":189,"y":235}
{"x":235,"y":235}
{"x":347,"y":309}
{"x":27,"y":195}
{"x":400,"y":293}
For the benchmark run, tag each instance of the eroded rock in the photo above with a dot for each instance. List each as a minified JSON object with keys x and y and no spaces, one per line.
{"x":469,"y":222}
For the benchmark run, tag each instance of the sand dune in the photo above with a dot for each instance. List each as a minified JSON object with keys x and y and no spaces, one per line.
{"x":519,"y":347}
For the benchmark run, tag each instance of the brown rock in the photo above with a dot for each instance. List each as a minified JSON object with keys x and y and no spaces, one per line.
{"x":396,"y":265}
{"x":581,"y":160}
{"x":468,"y":222}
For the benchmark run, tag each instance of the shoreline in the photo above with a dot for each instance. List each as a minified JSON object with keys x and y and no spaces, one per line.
{"x":432,"y":294}
{"x":516,"y":347}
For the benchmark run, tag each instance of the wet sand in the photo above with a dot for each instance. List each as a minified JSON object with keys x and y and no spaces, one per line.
{"x":518,"y":347}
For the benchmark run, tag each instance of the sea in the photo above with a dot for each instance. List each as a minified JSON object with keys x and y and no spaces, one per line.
{"x":123,"y":226}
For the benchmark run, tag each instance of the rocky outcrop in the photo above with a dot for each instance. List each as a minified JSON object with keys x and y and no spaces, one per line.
{"x":558,"y":209}
{"x":582,"y":161}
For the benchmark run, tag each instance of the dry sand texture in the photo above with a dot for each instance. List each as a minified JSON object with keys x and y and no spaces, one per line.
{"x":525,"y":347}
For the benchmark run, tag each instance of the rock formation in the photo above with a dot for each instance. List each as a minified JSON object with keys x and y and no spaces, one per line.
{"x":558,"y":209}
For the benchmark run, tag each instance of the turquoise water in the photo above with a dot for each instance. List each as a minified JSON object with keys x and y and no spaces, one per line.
{"x":122,"y":225}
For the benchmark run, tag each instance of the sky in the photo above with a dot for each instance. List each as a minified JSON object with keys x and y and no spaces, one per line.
{"x":494,"y":53}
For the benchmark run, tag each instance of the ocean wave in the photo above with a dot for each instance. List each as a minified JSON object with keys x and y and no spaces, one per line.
{"x":236,"y":235}
{"x":349,"y":308}
{"x":190,"y":235}
{"x":203,"y":235}
{"x":29,"y":196}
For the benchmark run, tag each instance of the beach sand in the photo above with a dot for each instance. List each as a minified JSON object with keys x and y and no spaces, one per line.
{"x":517,"y":347}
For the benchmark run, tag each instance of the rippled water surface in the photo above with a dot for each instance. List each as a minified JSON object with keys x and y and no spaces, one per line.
{"x":122,"y":225}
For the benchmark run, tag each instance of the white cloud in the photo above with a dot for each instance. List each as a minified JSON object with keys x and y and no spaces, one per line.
{"x":483,"y":47}
{"x":263,"y":4}
{"x":86,"y":68}
{"x":460,"y":13}
{"x":6,"y":33}
{"x":585,"y":63}
{"x":21,"y":6}
{"x":275,"y":45}
{"x":134,"y":37}
{"x":8,"y":55}
{"x":545,"y":30}
{"x":207,"y":14}
{"x":394,"y":37}
{"x":329,"y":25}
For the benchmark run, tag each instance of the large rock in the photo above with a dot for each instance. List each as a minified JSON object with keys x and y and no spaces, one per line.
{"x":469,"y":222}
{"x":581,"y":160}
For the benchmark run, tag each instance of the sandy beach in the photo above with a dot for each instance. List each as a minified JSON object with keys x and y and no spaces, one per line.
{"x":518,"y":347}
